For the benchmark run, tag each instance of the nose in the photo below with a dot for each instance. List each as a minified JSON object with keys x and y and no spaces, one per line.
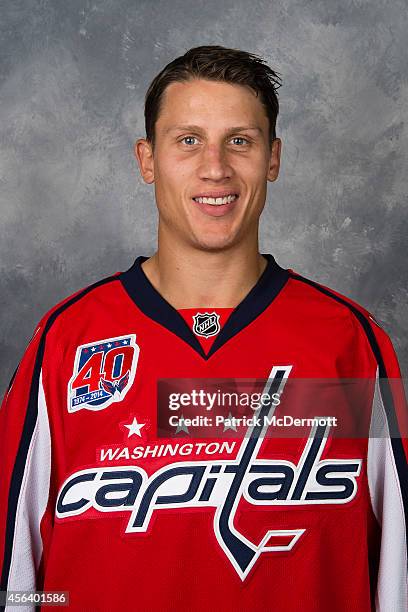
{"x":214,"y":163}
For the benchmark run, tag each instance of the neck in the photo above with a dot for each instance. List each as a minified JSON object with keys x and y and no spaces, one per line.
{"x":193,"y":278}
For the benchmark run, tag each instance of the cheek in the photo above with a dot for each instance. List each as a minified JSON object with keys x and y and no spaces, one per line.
{"x":253,"y":176}
{"x":173,"y":172}
{"x":253,"y":169}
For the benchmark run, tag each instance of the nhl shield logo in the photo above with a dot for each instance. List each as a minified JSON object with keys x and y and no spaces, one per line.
{"x":103,"y":373}
{"x":206,"y":324}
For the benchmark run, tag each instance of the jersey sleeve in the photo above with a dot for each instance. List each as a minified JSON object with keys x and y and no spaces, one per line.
{"x":387,"y":473}
{"x":25,"y":467}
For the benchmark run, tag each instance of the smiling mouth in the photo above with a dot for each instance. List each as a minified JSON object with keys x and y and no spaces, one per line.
{"x":217,"y":201}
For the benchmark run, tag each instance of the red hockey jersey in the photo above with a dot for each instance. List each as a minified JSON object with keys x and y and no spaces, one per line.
{"x":94,"y":502}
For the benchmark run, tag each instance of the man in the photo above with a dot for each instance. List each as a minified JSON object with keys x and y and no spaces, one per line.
{"x":102,"y":497}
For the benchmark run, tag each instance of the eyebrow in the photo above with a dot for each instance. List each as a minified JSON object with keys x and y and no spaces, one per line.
{"x":197,"y":128}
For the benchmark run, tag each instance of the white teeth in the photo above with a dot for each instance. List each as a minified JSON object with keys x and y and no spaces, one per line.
{"x":216,"y":201}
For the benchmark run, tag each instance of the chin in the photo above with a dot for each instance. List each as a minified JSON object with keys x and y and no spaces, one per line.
{"x":213,"y":243}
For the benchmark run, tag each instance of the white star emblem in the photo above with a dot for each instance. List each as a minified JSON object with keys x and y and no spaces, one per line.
{"x":134,"y":428}
{"x":109,"y":345}
{"x":93,"y":349}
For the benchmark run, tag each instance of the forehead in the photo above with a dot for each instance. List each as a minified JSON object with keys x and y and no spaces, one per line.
{"x":210,"y":103}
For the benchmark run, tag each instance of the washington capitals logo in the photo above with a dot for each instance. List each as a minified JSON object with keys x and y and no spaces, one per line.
{"x":206,"y":324}
{"x":116,"y":386}
{"x":221,"y":485}
{"x":103,"y":373}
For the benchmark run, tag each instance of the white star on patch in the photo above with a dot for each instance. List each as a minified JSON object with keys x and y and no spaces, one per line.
{"x":134,"y":428}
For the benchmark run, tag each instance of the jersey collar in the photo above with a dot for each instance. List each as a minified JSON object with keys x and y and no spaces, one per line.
{"x":154,"y":306}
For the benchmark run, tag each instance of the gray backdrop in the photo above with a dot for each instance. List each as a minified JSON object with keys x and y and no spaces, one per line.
{"x":73,"y":207}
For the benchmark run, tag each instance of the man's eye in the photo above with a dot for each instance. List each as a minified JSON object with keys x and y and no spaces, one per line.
{"x":188,"y":140}
{"x":243,"y":140}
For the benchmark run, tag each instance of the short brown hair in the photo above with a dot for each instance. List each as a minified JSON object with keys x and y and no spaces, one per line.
{"x":216,"y":63}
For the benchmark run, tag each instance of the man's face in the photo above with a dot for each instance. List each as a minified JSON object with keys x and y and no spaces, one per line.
{"x":211,"y":142}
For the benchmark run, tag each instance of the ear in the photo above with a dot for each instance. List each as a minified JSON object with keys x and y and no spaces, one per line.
{"x":143,"y":151}
{"x":274,"y":160}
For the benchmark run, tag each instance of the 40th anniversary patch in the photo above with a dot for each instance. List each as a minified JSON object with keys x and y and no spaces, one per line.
{"x":103,"y":373}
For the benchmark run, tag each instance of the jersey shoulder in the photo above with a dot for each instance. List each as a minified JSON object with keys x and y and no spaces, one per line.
{"x":331,"y":297}
{"x":364,"y":322}
{"x":81,"y":297}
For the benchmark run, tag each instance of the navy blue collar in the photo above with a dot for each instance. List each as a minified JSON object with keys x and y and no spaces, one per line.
{"x":153,"y":304}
